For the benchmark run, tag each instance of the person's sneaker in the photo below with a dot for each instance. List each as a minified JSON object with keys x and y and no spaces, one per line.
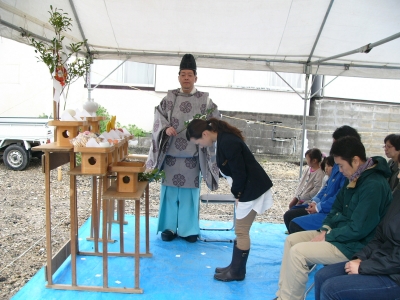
{"x":286,"y":232}
{"x":168,"y":235}
{"x":190,"y":238}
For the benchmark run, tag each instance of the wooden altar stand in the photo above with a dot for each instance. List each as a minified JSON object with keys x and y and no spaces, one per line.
{"x":58,"y":154}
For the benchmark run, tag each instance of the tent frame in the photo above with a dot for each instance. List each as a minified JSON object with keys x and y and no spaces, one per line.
{"x":306,"y":64}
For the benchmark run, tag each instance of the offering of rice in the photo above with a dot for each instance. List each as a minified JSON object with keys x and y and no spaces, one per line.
{"x":83,"y":137}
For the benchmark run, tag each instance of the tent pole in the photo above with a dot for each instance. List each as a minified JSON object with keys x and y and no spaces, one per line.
{"x":88,"y":82}
{"x":304,"y":125}
{"x":324,"y":86}
{"x":364,"y":49}
{"x":110,"y":73}
{"x":71,"y":3}
{"x":286,"y":82}
{"x":320,"y":30}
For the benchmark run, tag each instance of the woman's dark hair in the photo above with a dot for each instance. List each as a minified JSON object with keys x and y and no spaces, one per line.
{"x":347,"y":147}
{"x":196,"y":128}
{"x":345,"y":130}
{"x":314,"y":153}
{"x":394,"y":140}
{"x":327,"y":161}
{"x":323,"y":164}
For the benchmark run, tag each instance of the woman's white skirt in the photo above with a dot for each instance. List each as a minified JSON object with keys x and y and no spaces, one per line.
{"x":260,"y":205}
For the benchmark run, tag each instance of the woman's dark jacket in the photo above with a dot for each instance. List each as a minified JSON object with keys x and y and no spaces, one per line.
{"x":393,"y":180}
{"x":235,"y":160}
{"x":382,"y":254}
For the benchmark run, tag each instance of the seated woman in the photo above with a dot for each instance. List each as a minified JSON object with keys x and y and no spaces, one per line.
{"x":309,"y":185}
{"x":392,"y":151}
{"x":319,"y":208}
{"x":326,"y":176}
{"x":373,"y":272}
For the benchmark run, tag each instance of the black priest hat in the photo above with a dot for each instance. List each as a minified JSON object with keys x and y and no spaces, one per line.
{"x":188,"y":63}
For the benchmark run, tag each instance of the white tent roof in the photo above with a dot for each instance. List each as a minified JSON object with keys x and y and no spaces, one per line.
{"x":282,"y":35}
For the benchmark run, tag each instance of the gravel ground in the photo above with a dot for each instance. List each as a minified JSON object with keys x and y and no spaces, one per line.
{"x":22,"y":214}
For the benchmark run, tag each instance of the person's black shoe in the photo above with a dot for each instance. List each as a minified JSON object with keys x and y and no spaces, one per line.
{"x":190,"y":238}
{"x":168,"y":235}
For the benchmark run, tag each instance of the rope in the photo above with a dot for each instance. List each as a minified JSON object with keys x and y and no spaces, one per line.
{"x":112,"y":27}
{"x":299,"y":129}
{"x":34,"y":244}
{"x":12,"y":262}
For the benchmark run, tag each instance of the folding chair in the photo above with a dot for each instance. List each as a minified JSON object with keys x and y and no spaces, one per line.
{"x":310,"y":288}
{"x":219,"y":199}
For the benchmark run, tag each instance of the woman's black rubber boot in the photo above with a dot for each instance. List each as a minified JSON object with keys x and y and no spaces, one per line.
{"x":220,"y":270}
{"x":237,"y":270}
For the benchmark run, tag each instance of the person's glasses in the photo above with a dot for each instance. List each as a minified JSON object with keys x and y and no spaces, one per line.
{"x":387,"y":147}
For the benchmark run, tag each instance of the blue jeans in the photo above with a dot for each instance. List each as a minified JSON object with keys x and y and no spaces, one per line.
{"x":332,"y":282}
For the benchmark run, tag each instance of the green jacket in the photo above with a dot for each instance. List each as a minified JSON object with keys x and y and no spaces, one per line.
{"x":358,"y":208}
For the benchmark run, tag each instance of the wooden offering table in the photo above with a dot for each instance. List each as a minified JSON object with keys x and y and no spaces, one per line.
{"x":110,"y":195}
{"x":55,"y":156}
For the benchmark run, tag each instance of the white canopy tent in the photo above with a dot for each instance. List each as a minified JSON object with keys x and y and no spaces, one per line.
{"x":358,"y":38}
{"x":295,"y":36}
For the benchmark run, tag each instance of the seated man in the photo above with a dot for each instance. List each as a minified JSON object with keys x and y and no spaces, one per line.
{"x":374,"y":272}
{"x":358,"y":208}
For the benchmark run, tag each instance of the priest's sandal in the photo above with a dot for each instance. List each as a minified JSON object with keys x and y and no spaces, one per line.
{"x":190,"y":238}
{"x":168,"y":235}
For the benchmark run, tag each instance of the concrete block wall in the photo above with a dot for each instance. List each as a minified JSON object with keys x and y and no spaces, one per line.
{"x":374,"y":121}
{"x":256,"y":127}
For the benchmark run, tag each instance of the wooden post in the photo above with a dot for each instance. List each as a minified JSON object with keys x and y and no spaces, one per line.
{"x":48,"y":219}
{"x":55,"y":114}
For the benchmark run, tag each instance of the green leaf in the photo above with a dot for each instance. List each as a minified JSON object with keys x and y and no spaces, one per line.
{"x":154,"y":175}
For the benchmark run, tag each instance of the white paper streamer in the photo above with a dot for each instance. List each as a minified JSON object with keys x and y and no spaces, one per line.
{"x":57,"y":90}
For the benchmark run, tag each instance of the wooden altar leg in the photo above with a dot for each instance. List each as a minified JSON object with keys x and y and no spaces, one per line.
{"x":95,"y":220}
{"x":119,"y":213}
{"x":105,"y":244}
{"x":48,"y":219}
{"x":118,"y":218}
{"x":137,"y":243}
{"x":74,"y":223}
{"x":105,"y":186}
{"x":147,"y":213}
{"x":111,"y":207}
{"x":121,"y":210}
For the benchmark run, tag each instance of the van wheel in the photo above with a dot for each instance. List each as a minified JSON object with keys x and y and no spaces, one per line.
{"x":37,"y":154}
{"x":16,"y":158}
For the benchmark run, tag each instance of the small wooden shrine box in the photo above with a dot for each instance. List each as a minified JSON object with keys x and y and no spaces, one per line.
{"x":95,"y":160}
{"x":127,"y":175}
{"x":66,"y":130}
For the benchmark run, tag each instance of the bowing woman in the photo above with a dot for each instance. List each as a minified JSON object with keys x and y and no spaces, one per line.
{"x":251,"y":185}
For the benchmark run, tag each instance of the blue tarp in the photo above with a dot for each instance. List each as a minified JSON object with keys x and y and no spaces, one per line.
{"x":177,"y":270}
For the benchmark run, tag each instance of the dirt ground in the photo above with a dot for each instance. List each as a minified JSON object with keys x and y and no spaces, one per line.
{"x":22,"y":214}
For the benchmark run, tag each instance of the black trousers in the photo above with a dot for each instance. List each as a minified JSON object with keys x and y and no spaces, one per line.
{"x":290,"y":215}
